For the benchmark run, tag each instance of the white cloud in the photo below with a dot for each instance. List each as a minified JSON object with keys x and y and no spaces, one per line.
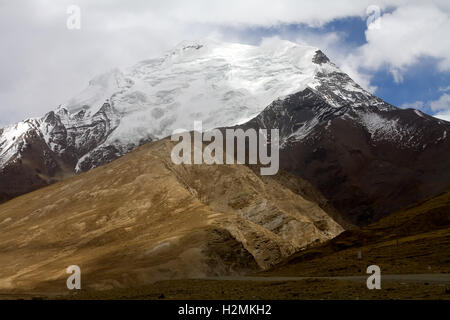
{"x":444,"y":115}
{"x":45,"y":63}
{"x":397,"y":75}
{"x":237,"y":12}
{"x":407,"y":34}
{"x":444,"y":89}
{"x":442,"y":104}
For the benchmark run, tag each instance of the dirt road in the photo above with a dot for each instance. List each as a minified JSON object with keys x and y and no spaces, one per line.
{"x":432,"y":277}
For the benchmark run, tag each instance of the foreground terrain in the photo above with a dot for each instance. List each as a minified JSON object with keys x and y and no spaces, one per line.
{"x":142,"y":219}
{"x":413,"y":240}
{"x":311,"y":288}
{"x":410,"y":246}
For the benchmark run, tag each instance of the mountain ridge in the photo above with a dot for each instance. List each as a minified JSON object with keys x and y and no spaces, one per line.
{"x":169,"y":220}
{"x":319,"y":110}
{"x":368,"y":159}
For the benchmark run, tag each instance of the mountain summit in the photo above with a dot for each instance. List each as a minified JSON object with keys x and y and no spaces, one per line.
{"x":367,"y":156}
{"x":221,"y":84}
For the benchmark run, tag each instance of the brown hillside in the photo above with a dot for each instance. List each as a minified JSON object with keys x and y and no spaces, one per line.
{"x":141,"y":219}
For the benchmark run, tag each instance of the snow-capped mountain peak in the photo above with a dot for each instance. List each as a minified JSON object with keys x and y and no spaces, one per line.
{"x":221,"y":84}
{"x":98,"y":91}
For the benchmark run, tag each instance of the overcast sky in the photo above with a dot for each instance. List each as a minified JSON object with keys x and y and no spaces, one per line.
{"x":406,"y":60}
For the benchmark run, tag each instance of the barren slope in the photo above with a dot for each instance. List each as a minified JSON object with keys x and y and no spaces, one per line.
{"x":141,"y":219}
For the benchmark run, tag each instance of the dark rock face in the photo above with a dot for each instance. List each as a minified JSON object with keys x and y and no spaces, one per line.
{"x":320,"y":58}
{"x":368,"y":158}
{"x":55,"y":147}
{"x":36,"y":167}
